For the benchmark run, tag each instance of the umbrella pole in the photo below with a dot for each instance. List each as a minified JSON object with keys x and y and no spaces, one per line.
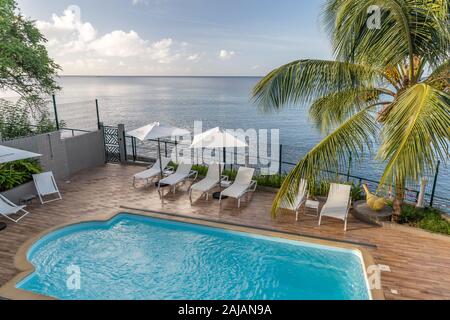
{"x":216,"y":195}
{"x":159,"y":156}
{"x":220,"y":175}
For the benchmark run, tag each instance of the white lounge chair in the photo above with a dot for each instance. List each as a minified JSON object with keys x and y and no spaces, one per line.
{"x":211,"y":180}
{"x":46,"y":185}
{"x":151,"y":172}
{"x":8,"y":208}
{"x":183,"y":172}
{"x":298,"y":201}
{"x":338,"y":203}
{"x":241,"y":185}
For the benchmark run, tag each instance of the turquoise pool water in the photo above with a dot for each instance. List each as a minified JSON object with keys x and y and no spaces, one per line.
{"x":136,"y":257}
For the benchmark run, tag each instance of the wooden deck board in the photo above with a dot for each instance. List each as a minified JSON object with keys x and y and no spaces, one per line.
{"x":420,"y":264}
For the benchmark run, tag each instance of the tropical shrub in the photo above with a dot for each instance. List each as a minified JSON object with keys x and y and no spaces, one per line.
{"x":13,"y":174}
{"x":424,"y":218}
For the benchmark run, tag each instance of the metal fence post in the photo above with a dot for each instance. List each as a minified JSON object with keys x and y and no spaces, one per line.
{"x":224,"y":158}
{"x":434,"y":184}
{"x":102,"y":128}
{"x":349,"y":167}
{"x":56,"y":112}
{"x":176,"y":150}
{"x":98,"y":114}
{"x":122,"y":143}
{"x":133,"y":148}
{"x":280,"y":160}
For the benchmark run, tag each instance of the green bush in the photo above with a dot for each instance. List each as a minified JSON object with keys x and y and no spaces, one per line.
{"x":13,"y":174}
{"x":424,"y":218}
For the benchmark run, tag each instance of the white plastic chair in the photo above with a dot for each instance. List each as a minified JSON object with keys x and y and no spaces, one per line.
{"x":298,"y":201}
{"x":241,"y":185}
{"x":46,"y":185}
{"x":338,"y":203}
{"x":8,"y":208}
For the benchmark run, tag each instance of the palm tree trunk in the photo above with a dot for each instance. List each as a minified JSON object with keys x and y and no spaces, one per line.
{"x":398,"y":200}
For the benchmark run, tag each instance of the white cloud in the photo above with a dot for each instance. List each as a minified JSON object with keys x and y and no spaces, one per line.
{"x":79,"y":49}
{"x":226,"y":55}
{"x":119,"y":44}
{"x":194,"y":57}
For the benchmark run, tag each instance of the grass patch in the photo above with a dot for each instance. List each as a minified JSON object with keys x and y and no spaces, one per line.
{"x":425,"y":218}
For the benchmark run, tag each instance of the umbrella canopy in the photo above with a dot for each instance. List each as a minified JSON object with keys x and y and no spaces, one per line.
{"x":215,"y":138}
{"x":157,"y":130}
{"x":8,"y":154}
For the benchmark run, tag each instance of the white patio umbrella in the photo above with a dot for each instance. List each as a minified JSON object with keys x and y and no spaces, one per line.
{"x":157,"y":131}
{"x":8,"y":154}
{"x":215,"y":138}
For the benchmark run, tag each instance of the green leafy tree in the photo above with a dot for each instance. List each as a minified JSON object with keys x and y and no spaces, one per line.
{"x":15,"y":120}
{"x":386,"y":87}
{"x":25,"y":66}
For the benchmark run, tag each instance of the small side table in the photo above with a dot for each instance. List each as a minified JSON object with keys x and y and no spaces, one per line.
{"x":312,"y":204}
{"x":28,"y":199}
{"x":223,"y":185}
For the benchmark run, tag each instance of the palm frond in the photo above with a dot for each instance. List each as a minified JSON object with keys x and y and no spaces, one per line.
{"x":331,"y":154}
{"x":415,"y":134}
{"x":332,"y":110}
{"x":440,"y":77}
{"x":408,"y":28}
{"x":305,"y":80}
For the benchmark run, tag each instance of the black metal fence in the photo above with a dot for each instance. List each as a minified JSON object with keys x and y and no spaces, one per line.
{"x":147,"y":151}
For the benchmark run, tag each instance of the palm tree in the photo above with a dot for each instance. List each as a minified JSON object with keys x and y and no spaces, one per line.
{"x":387,"y":87}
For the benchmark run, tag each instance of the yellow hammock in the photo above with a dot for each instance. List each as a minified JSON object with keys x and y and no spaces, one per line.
{"x":375,"y":203}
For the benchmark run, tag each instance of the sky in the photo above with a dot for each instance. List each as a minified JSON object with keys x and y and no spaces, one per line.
{"x":178,"y":37}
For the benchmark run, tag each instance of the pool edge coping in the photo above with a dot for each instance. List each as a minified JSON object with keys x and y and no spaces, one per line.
{"x":26,"y":268}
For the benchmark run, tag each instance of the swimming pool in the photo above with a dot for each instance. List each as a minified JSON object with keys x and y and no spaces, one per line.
{"x":139,"y":257}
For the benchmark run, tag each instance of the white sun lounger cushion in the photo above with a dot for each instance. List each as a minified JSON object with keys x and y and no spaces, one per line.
{"x":211,"y":180}
{"x":154,"y":170}
{"x":241,"y":184}
{"x":183,"y":172}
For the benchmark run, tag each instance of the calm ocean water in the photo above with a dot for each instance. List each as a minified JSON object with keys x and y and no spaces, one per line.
{"x":217,"y":101}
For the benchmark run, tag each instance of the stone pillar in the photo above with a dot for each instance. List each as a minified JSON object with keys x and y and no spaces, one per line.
{"x":421,"y":197}
{"x":122,"y":146}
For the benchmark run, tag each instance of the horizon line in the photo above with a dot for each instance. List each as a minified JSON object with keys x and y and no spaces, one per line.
{"x":165,"y":76}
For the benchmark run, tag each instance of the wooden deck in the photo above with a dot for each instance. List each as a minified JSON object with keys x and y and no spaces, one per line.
{"x":420,"y":264}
